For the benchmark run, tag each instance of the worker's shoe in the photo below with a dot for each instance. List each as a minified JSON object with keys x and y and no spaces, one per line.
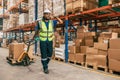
{"x":46,"y":71}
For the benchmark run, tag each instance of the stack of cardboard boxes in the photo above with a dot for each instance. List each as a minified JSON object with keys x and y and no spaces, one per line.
{"x":82,"y":42}
{"x":102,"y":46}
{"x":77,"y":52}
{"x":101,"y":57}
{"x":77,"y":56}
{"x":5,"y":23}
{"x":55,"y":6}
{"x":91,"y":54}
{"x":58,"y":7}
{"x":99,"y":54}
{"x":74,"y":6}
{"x":114,"y":55}
{"x":86,"y":37}
{"x":13,"y":20}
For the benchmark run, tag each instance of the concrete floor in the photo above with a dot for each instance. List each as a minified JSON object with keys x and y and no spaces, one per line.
{"x":58,"y":71}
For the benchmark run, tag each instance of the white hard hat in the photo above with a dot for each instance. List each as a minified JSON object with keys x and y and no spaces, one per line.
{"x":47,"y":11}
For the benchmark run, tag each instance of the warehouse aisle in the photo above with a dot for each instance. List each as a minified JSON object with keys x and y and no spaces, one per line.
{"x":58,"y":71}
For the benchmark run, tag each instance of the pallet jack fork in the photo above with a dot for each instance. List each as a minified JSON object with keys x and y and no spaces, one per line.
{"x":24,"y":58}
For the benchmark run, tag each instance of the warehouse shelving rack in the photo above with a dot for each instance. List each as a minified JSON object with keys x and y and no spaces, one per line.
{"x":93,"y":15}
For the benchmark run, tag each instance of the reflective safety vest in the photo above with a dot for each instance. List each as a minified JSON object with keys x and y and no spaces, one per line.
{"x":46,"y":33}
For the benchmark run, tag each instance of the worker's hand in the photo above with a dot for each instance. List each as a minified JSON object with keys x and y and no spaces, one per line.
{"x":52,"y":16}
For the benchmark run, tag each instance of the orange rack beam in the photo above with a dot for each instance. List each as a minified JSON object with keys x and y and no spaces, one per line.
{"x":23,"y":27}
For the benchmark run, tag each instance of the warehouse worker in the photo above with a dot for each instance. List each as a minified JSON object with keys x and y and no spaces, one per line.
{"x":46,"y":33}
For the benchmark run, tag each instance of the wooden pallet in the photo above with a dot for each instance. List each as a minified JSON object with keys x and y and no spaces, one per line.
{"x":12,"y":61}
{"x":71,"y":61}
{"x":93,"y":65}
{"x":102,"y":67}
{"x":112,"y":72}
{"x":69,"y":12}
{"x":59,"y":59}
{"x":81,"y":63}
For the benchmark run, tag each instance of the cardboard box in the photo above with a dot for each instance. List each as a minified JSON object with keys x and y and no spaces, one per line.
{"x":103,"y":40}
{"x":101,"y":46}
{"x":83,"y":49}
{"x":80,"y":35}
{"x":102,"y":52}
{"x":91,"y":51}
{"x":69,"y":7}
{"x":114,"y":35}
{"x":72,"y":49}
{"x":93,"y":33}
{"x":91,"y":59}
{"x":89,"y":34}
{"x":114,"y":65}
{"x":100,"y":39}
{"x":58,"y":7}
{"x":77,"y":49}
{"x":106,"y":34}
{"x":78,"y":42}
{"x":71,"y":57}
{"x":15,"y":50}
{"x":89,"y":42}
{"x":78,"y":3}
{"x":114,"y":54}
{"x":80,"y":58}
{"x":96,"y":45}
{"x":101,"y":60}
{"x":23,"y":18}
{"x":114,"y":44}
{"x":80,"y":29}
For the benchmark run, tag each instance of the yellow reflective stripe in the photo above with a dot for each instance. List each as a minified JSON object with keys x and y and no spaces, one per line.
{"x":47,"y":36}
{"x":47,"y":31}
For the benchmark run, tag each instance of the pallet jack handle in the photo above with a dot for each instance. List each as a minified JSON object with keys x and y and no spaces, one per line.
{"x":29,"y":43}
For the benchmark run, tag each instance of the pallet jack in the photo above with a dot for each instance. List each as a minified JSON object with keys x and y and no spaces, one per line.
{"x":24,"y":58}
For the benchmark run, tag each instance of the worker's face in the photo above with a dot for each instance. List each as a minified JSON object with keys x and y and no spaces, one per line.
{"x":47,"y":16}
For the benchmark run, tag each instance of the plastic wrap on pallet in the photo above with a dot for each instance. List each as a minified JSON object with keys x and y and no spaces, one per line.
{"x":58,"y":7}
{"x":13,"y":20}
{"x":40,"y":8}
{"x":55,"y":6}
{"x":23,"y":18}
{"x":11,"y":3}
{"x":60,"y":53}
{"x":5,"y":22}
{"x":31,"y":13}
{"x":48,"y":5}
